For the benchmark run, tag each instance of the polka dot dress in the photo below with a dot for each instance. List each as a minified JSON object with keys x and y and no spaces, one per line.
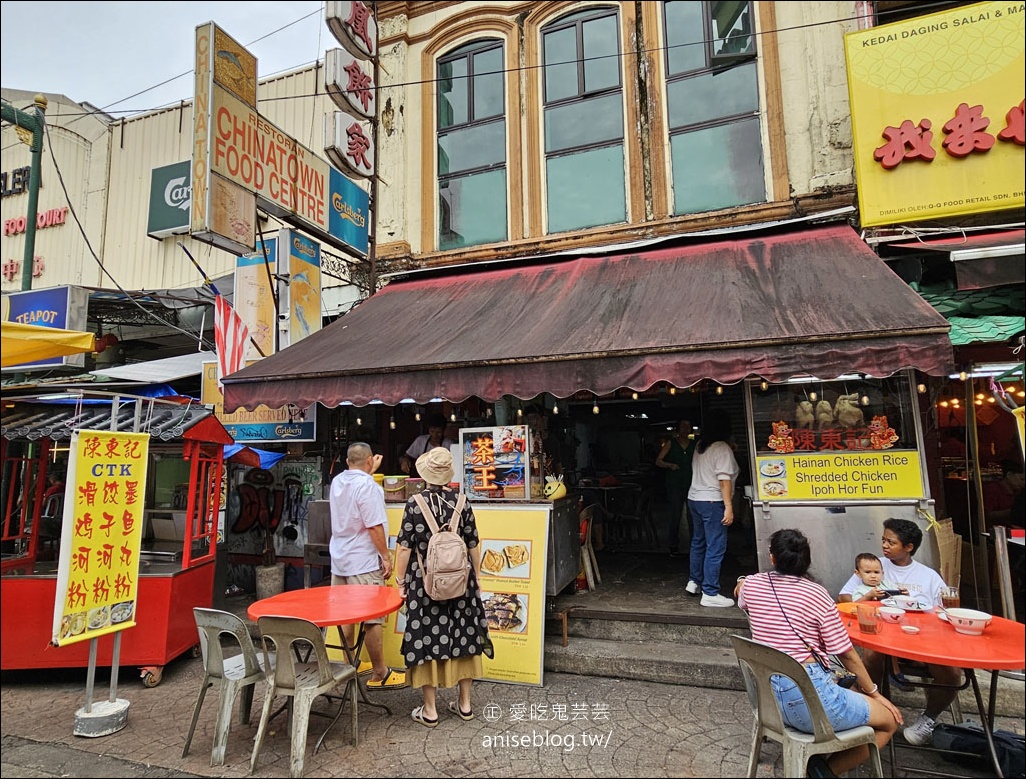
{"x":439,"y":630}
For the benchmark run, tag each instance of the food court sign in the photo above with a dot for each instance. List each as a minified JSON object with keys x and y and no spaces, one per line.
{"x":240,"y":160}
{"x":98,"y":573}
{"x":937,"y":114}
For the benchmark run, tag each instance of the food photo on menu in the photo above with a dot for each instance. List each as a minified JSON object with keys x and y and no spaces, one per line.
{"x":505,"y":611}
{"x":506,"y":558}
{"x":773,"y":478}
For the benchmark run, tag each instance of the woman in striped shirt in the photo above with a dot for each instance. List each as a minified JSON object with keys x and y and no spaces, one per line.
{"x":790,"y":612}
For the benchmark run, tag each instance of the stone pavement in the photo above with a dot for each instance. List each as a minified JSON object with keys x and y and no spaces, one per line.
{"x":583,"y":726}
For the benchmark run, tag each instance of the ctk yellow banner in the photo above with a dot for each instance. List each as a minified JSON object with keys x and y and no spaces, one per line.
{"x":98,"y":573}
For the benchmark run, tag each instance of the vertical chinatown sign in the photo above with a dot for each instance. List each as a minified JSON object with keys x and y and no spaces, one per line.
{"x":350,"y":79}
{"x":98,"y":573}
{"x":937,"y":114}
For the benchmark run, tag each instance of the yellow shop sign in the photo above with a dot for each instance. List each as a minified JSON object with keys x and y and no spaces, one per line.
{"x":841,"y":475}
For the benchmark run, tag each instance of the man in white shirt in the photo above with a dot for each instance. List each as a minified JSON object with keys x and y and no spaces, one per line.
{"x":359,"y":549}
{"x":901,"y":539}
{"x":435,"y":436}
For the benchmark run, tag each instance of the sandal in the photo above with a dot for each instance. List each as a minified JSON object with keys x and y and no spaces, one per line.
{"x":393,"y":680}
{"x":365,"y":668}
{"x":418,"y":716}
{"x":466,"y":716}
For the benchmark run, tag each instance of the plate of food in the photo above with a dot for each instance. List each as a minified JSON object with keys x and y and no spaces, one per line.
{"x":516,"y":554}
{"x":772,"y":468}
{"x":99,"y":617}
{"x":506,"y":612}
{"x":121,"y":612}
{"x":72,"y":625}
{"x":492,"y":562}
{"x":774,"y":488}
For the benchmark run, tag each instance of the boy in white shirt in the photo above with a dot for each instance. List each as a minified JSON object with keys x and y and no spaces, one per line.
{"x":872,"y":584}
{"x":901,"y":539}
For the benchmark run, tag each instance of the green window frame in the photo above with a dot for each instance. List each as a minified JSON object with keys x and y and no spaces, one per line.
{"x":583,"y":120}
{"x":712,"y":98}
{"x":471,"y":146}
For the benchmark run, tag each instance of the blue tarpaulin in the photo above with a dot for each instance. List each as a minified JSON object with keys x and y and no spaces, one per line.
{"x":248,"y":455}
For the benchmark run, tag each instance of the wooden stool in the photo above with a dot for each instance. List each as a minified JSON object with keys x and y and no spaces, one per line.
{"x":561,"y":614}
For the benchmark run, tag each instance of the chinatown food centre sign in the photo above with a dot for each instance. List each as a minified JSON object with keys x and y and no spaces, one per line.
{"x":240,"y":160}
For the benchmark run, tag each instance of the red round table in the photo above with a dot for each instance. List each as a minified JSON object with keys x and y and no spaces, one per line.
{"x":999,"y":648}
{"x":335,"y":605}
{"x":342,"y":604}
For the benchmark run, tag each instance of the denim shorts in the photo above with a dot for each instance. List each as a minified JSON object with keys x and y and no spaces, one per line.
{"x":844,"y":708}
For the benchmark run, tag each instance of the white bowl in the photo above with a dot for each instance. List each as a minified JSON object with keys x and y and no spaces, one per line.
{"x":891,"y":614}
{"x":968,"y":621}
{"x":911,"y":602}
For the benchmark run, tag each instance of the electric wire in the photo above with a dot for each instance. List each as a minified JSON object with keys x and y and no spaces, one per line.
{"x":99,"y":262}
{"x":924,"y":8}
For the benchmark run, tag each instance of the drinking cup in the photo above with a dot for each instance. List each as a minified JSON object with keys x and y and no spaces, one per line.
{"x":950,"y":598}
{"x":868,"y":620}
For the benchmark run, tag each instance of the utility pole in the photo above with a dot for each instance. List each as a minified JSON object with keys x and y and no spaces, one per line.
{"x":33,"y":123}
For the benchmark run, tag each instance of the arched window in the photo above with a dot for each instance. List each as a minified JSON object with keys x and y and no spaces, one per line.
{"x":471,"y":146}
{"x":712,"y":96}
{"x":584,"y":149}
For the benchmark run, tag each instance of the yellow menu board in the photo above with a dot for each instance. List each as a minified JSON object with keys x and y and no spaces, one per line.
{"x":98,"y":572}
{"x":841,"y":475}
{"x":514,"y":549}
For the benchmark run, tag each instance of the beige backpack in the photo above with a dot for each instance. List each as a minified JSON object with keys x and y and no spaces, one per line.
{"x":446,"y":570}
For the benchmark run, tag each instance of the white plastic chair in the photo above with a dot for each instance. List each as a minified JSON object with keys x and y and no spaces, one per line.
{"x":291,"y":638}
{"x":758,"y":663}
{"x":236,"y":673}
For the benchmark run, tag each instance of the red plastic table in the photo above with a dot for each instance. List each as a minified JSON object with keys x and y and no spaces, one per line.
{"x":1000,"y":648}
{"x":334,"y":606}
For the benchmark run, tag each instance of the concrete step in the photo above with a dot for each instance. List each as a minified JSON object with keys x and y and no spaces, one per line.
{"x":683,"y":629}
{"x":697,"y":665}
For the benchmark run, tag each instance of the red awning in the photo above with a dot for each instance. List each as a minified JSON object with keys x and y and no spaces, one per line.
{"x":818,"y":303}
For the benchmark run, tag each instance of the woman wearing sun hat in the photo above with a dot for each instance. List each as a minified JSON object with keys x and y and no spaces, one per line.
{"x":444,"y":640}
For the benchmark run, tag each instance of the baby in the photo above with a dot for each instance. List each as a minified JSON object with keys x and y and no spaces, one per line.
{"x":870,"y":572}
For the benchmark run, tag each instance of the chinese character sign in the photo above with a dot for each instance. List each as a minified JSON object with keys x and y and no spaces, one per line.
{"x":496,"y":462}
{"x":97,"y":579}
{"x":937,"y":114}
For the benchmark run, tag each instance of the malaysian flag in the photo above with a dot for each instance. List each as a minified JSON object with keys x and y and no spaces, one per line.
{"x":230,"y":337}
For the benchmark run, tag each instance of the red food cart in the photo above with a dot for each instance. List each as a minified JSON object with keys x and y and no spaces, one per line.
{"x":176,"y":567}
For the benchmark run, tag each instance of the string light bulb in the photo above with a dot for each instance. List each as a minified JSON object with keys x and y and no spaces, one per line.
{"x":595,"y":408}
{"x":764,"y":385}
{"x":921,"y":389}
{"x":359,"y":421}
{"x":864,"y":400}
{"x":520,"y":413}
{"x":719,"y":389}
{"x":417,"y":415}
{"x":555,"y":409}
{"x":634,"y":396}
{"x":391,"y":423}
{"x":452,"y":417}
{"x":673,"y":390}
{"x":962,"y":376}
{"x":813,"y":396}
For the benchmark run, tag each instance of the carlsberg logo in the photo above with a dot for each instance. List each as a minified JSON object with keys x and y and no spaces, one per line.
{"x":178,"y":193}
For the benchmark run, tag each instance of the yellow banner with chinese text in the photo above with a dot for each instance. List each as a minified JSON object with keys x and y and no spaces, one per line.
{"x":937,"y":113}
{"x":98,"y":572}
